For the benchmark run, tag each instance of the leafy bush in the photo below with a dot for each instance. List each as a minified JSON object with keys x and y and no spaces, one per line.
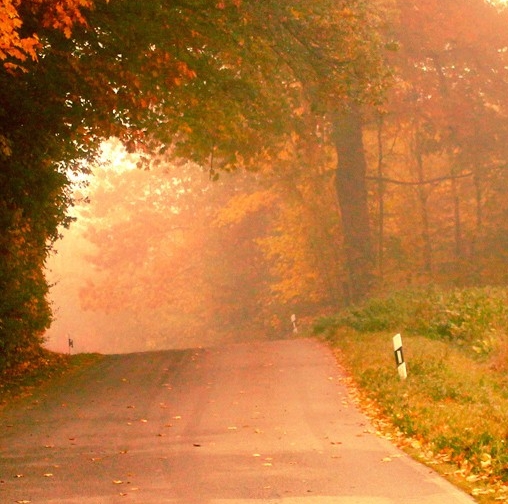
{"x":474,"y":317}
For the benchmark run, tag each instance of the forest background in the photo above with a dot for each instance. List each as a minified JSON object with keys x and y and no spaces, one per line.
{"x":364,"y":145}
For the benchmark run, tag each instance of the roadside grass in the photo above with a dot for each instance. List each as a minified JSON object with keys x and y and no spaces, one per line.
{"x":452,"y":410}
{"x":42,"y":368}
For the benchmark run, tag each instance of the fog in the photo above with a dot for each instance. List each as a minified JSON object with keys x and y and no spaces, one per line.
{"x":142,"y":269}
{"x":96,"y":331}
{"x":116,"y":331}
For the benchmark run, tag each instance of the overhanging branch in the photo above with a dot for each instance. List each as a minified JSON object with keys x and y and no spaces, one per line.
{"x":436,"y":180}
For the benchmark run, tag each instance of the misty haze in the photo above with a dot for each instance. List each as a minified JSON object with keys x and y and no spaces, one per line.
{"x":219,"y":220}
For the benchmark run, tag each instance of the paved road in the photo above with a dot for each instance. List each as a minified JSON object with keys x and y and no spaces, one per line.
{"x":248,"y":423}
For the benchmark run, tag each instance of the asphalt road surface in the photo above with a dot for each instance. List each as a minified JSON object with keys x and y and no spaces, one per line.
{"x":249,"y":423}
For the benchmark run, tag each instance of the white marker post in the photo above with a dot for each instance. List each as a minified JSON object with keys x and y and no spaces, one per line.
{"x":293,"y":321}
{"x":399,"y":356}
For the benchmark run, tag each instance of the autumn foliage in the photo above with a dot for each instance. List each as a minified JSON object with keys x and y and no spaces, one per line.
{"x":375,"y":132}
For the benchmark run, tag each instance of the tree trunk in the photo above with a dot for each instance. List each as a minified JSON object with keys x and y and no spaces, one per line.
{"x":457,"y":218}
{"x":352,"y":197}
{"x":381,"y":201}
{"x":423,"y":197}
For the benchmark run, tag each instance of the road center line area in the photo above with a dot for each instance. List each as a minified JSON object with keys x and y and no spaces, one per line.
{"x":244,"y":423}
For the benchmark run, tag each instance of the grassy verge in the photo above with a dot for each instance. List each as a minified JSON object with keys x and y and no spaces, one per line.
{"x":452,"y":411}
{"x":21,"y":380}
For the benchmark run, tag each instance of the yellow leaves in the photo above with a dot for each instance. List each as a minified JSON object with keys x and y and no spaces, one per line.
{"x":476,"y":492}
{"x":242,"y":205}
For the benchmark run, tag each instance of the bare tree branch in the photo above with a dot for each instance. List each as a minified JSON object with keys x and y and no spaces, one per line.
{"x":417,"y":183}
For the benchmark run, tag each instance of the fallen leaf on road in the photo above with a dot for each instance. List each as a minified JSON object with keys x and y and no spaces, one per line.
{"x":23,"y":502}
{"x":19,"y":476}
{"x":117,"y":482}
{"x":48,"y":475}
{"x":386,"y":459}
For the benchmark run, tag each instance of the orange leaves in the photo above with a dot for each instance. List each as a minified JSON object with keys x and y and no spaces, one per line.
{"x":184,"y":70}
{"x":62,"y":15}
{"x":12,"y":45}
{"x":161,"y":63}
{"x":221,"y":4}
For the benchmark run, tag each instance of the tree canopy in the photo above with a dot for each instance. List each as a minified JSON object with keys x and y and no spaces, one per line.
{"x":304,"y":93}
{"x":222,"y":83}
